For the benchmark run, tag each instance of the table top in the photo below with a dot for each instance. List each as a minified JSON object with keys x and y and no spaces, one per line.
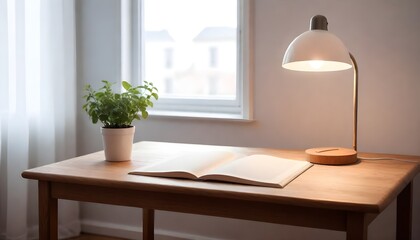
{"x":368,"y":186}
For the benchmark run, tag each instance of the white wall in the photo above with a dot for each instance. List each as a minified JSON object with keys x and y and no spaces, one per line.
{"x":292,"y":110}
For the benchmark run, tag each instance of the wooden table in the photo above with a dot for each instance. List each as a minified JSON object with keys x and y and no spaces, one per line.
{"x":344,"y":198}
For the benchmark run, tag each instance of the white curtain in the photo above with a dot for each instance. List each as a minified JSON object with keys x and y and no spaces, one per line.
{"x":37,"y":108}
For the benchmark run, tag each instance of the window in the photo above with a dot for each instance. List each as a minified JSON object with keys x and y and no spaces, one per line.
{"x":197,"y":53}
{"x":168,"y":58}
{"x":213,"y":57}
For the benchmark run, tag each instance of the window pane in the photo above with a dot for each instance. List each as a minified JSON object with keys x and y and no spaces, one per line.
{"x":190,"y":48}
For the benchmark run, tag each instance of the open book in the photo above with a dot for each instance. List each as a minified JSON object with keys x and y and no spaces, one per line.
{"x":260,"y":170}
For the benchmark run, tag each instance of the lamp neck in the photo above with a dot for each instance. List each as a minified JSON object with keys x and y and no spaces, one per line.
{"x":319,"y":22}
{"x":355,"y":99}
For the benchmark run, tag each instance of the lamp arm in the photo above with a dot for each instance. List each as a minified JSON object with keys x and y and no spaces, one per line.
{"x":355,"y":99}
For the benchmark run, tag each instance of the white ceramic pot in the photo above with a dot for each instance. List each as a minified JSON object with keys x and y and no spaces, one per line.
{"x":118,"y":143}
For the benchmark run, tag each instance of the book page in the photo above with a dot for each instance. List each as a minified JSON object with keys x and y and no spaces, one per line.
{"x":191,"y":164}
{"x":262,"y":170}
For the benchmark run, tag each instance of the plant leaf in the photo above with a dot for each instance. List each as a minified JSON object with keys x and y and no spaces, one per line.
{"x":126,"y":85}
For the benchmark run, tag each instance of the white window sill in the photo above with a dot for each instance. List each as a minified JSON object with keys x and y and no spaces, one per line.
{"x":198,"y":115}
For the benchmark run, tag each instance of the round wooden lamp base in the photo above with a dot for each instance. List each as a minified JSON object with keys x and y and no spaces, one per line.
{"x":331,"y":155}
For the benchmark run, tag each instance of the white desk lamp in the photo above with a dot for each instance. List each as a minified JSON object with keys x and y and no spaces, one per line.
{"x":318,"y":50}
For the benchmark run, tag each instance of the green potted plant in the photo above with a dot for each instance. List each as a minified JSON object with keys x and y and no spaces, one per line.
{"x":116,"y":111}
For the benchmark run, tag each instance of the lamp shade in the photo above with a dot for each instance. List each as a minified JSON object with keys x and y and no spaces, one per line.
{"x":317,"y":51}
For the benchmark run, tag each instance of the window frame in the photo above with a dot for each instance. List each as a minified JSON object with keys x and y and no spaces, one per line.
{"x":240,"y":108}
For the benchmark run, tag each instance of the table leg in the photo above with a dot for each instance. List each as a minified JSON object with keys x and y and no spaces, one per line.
{"x":148,"y":224}
{"x":47,"y":212}
{"x":404,"y":212}
{"x":356,"y":226}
